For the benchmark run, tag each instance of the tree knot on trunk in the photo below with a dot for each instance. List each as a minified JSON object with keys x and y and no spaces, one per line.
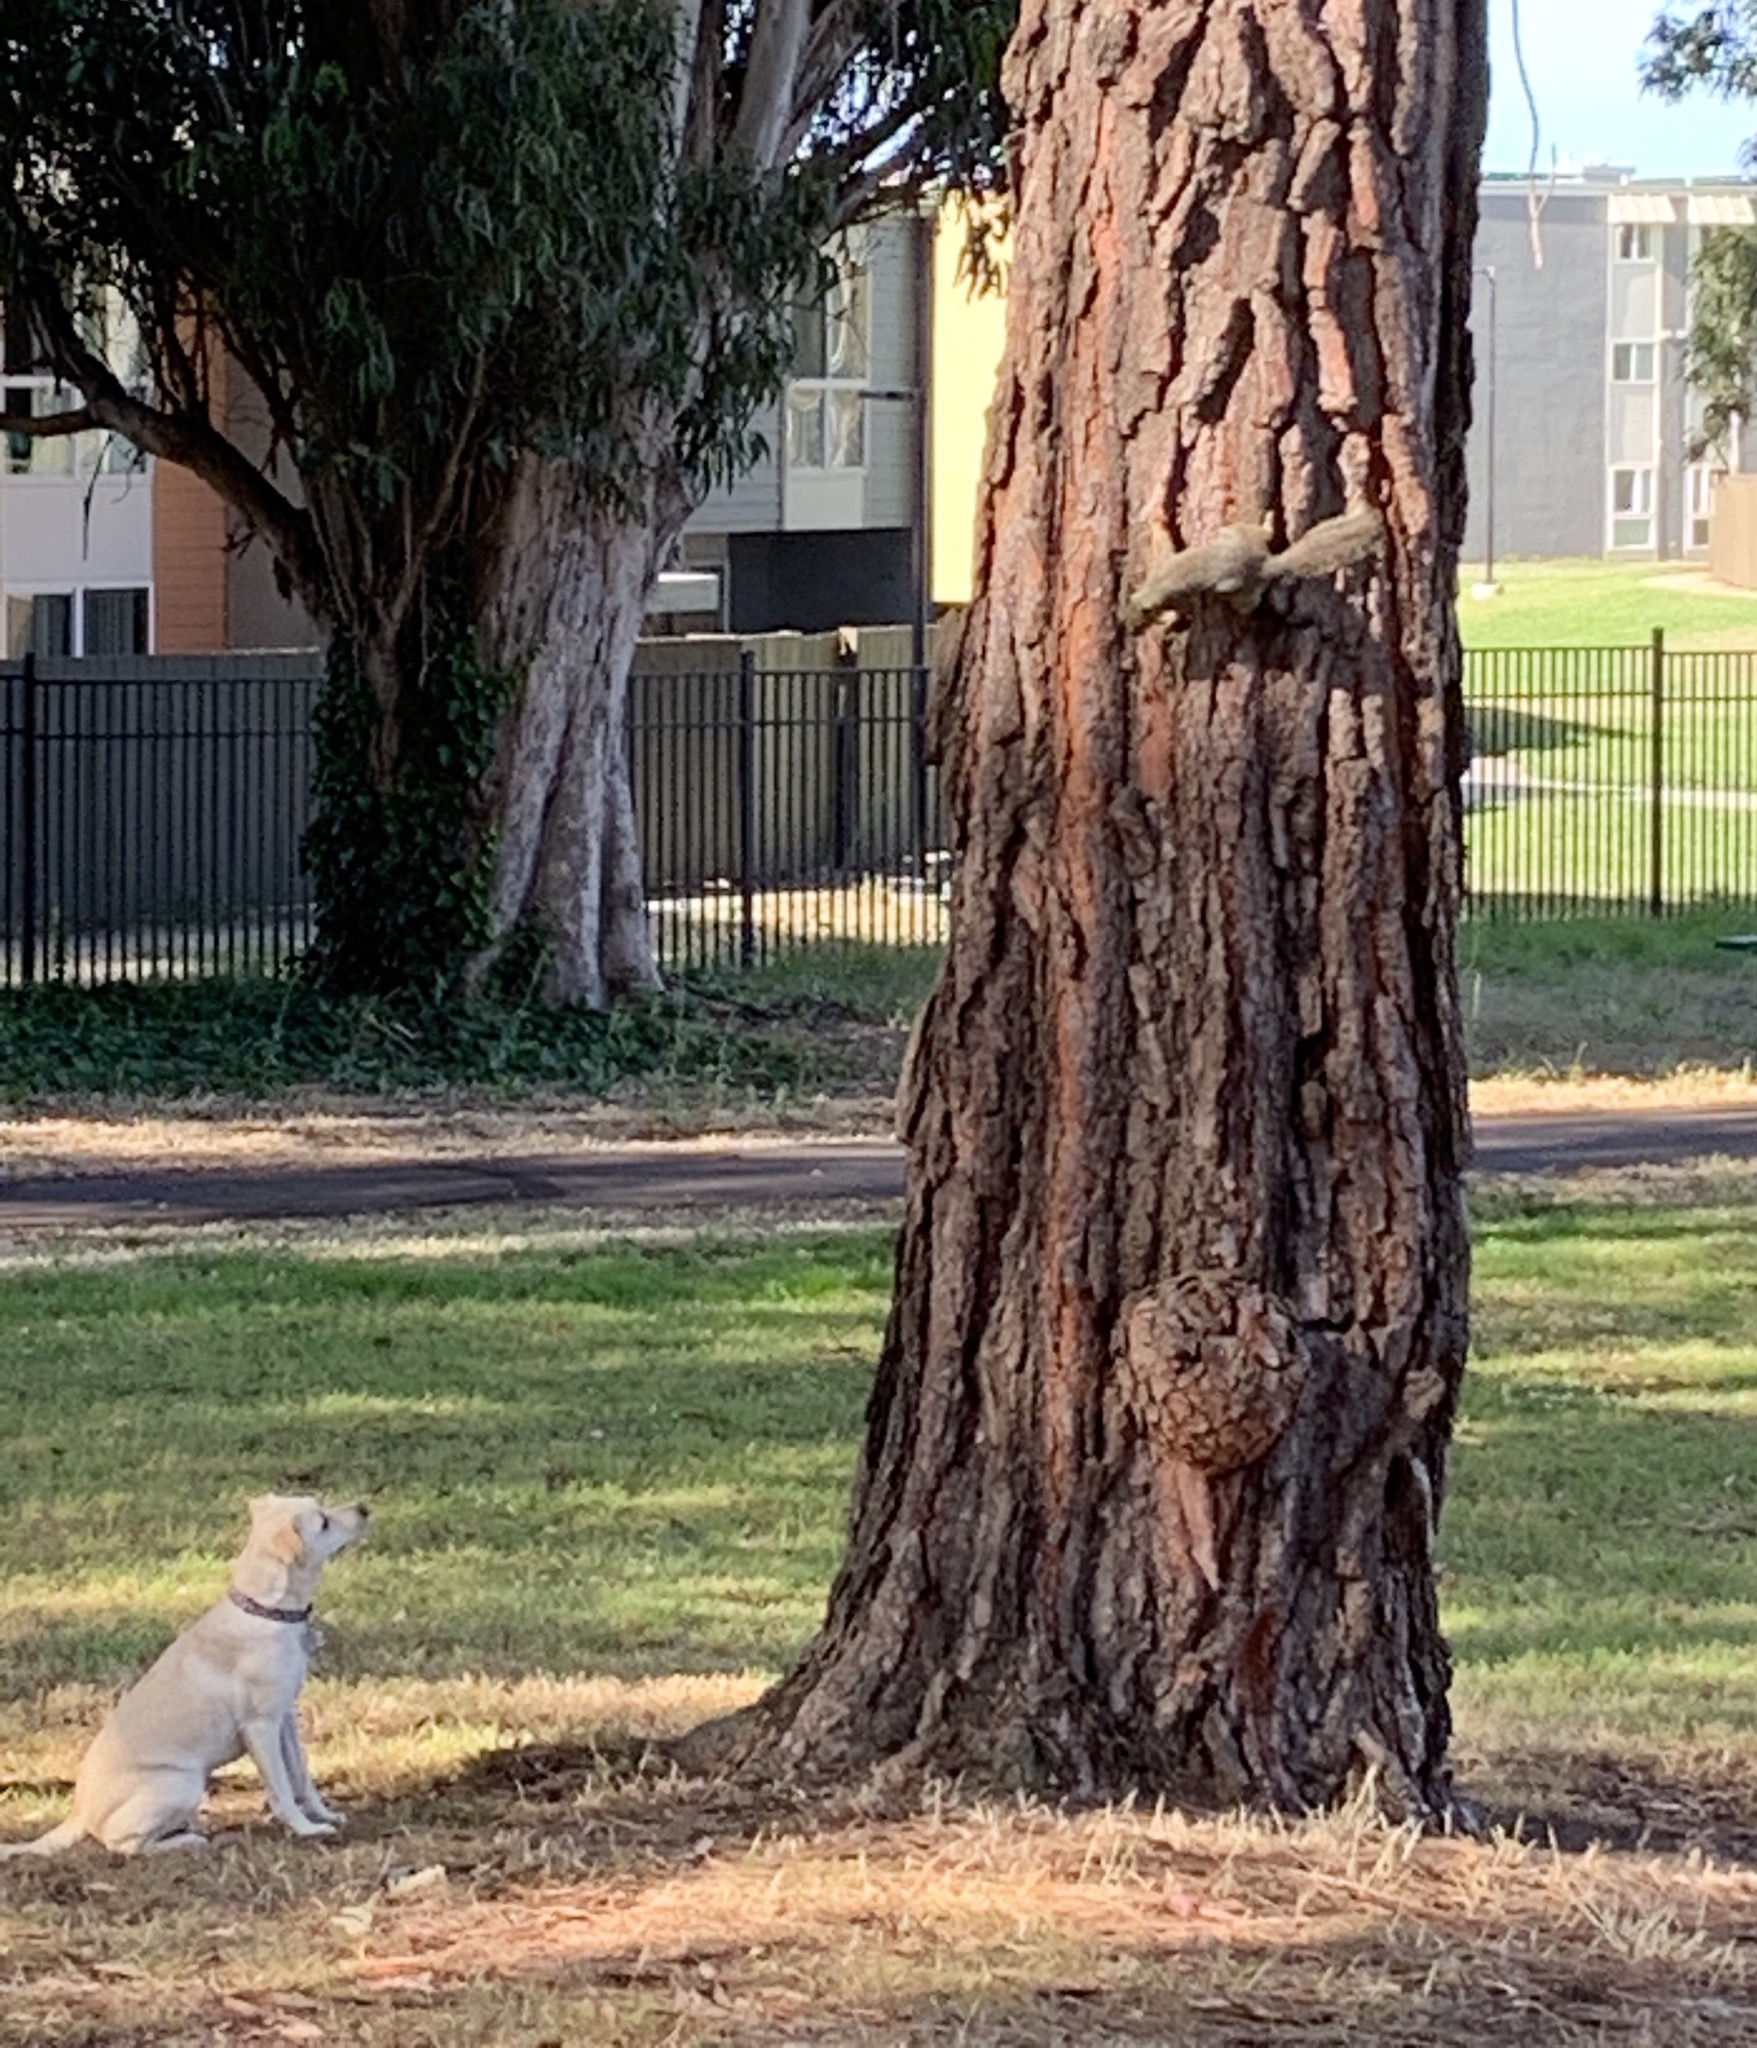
{"x":1237,"y":566}
{"x":1213,"y":1369}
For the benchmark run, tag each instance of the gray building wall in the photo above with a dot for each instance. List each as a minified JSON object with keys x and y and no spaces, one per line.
{"x":817,"y":558}
{"x":1587,"y":373}
{"x":750,"y":503}
{"x":1550,"y":371}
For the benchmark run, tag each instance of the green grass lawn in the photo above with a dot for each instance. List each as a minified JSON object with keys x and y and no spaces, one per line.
{"x":1604,"y":604}
{"x":611,"y":1485}
{"x":1602,"y":1535}
{"x":610,"y":1461}
{"x":636,"y":1462}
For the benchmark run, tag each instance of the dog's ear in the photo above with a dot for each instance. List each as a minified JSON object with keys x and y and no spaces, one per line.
{"x":286,"y":1543}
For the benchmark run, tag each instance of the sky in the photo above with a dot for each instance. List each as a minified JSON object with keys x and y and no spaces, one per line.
{"x":1583,"y":56}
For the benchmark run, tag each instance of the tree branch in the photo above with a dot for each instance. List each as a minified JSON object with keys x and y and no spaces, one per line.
{"x":765,"y":106}
{"x":862,"y":182}
{"x":187,"y":437}
{"x":687,"y":48}
{"x":830,"y":49}
{"x":47,"y":425}
{"x":702,"y":136}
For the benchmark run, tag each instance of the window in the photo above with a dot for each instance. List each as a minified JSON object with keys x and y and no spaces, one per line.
{"x":1632,"y":362}
{"x":26,"y":392}
{"x":1701,"y":481}
{"x":114,"y":622}
{"x":832,"y":361}
{"x":40,"y":625}
{"x":31,"y":400}
{"x":1631,"y":508}
{"x":1634,"y":244}
{"x":54,"y":624}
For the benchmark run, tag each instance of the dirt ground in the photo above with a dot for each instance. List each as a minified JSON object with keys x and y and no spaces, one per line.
{"x":317,"y":1130}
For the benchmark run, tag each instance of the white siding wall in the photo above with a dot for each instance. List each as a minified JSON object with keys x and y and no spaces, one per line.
{"x":890,"y":423}
{"x":751,"y":504}
{"x":47,"y":540}
{"x":761,"y":502}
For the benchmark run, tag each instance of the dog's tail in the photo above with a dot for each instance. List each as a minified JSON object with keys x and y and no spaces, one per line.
{"x":51,"y":1844}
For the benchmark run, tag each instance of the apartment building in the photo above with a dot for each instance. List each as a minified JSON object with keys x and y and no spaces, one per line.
{"x":102,"y":552}
{"x":1582,"y":322}
{"x":825,"y":529}
{"x":76,"y":533}
{"x":1584,"y":442}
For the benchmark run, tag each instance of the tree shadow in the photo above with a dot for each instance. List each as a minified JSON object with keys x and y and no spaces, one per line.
{"x":1496,"y":729}
{"x":1635,"y":1805}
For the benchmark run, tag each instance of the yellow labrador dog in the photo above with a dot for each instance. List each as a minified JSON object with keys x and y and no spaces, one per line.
{"x":229,"y":1684}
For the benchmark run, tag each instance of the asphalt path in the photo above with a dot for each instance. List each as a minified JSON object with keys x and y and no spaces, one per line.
{"x":684,"y":1178}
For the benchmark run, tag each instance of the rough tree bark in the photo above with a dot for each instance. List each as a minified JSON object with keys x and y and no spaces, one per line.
{"x":1158,"y":1440}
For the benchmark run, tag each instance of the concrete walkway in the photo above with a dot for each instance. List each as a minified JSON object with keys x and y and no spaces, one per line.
{"x":685,"y":1177}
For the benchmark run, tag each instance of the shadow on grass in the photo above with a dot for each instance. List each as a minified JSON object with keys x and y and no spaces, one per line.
{"x":1636,"y":1806}
{"x":1496,"y":729}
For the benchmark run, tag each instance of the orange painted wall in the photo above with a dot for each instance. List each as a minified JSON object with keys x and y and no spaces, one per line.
{"x":189,"y":564}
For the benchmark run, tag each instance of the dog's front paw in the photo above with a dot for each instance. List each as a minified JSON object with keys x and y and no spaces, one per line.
{"x":312,"y":1830}
{"x":328,"y":1815}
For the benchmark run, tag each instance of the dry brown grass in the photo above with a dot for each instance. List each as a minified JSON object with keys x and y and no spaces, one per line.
{"x":329,"y":1133}
{"x":1613,"y":1094}
{"x":521,"y":1869}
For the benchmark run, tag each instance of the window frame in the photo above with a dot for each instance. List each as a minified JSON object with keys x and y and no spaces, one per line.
{"x":1639,"y":512}
{"x":1701,"y":482}
{"x":76,"y":595}
{"x":838,"y":398}
{"x":1634,"y":349}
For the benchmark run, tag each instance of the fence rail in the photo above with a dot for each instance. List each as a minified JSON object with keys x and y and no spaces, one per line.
{"x":152,"y":812}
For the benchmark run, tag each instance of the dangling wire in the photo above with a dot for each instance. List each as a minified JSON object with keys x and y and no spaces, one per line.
{"x":1535,"y":199}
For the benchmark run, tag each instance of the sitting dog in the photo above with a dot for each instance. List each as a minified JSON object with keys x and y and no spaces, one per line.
{"x":229,"y":1684}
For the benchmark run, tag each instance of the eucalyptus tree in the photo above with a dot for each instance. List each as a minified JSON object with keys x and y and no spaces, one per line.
{"x":461,"y":308}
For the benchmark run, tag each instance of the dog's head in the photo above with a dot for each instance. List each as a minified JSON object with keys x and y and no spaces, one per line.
{"x":299,"y":1532}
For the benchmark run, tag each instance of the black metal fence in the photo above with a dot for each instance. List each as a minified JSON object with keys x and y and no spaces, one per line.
{"x":1610,"y":779}
{"x":785,"y":809}
{"x":151,"y":816}
{"x":151,"y":813}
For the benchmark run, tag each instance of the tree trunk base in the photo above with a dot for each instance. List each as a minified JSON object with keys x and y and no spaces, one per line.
{"x":566,"y":618}
{"x":1004,"y":1754}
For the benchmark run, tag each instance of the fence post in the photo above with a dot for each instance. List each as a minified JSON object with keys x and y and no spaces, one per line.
{"x":746,"y":806}
{"x":32,"y":770}
{"x":1656,"y":817}
{"x":918,"y":767}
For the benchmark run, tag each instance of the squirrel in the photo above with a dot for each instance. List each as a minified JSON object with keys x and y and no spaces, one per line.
{"x":1237,"y":565}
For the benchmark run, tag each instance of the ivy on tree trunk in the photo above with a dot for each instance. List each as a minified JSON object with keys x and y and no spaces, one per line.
{"x":1156,"y":1452}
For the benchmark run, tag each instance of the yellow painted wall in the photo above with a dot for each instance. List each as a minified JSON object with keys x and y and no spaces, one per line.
{"x":969,"y":334}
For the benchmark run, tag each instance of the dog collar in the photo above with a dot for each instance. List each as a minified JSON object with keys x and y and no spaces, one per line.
{"x":262,"y":1613}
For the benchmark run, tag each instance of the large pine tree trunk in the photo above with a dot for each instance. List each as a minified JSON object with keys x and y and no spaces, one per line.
{"x":563,"y":612}
{"x":1157,"y":1445}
